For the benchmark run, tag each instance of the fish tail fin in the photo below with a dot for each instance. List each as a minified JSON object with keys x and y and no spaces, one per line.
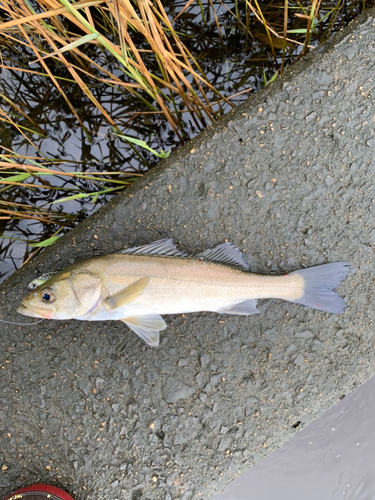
{"x":319,"y":285}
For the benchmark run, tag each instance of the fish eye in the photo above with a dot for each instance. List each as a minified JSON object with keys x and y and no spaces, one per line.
{"x":47,"y":295}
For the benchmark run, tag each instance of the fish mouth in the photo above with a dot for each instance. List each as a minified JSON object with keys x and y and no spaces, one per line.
{"x":28,"y":312}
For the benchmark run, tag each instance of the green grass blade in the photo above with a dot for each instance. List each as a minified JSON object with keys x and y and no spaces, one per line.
{"x":76,"y":43}
{"x":15,"y":178}
{"x":85,"y":195}
{"x":143,"y":144}
{"x":45,"y":243}
{"x":303,"y":31}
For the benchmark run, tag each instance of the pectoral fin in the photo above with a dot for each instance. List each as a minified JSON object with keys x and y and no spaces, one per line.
{"x":128,"y":295}
{"x":146,"y":327}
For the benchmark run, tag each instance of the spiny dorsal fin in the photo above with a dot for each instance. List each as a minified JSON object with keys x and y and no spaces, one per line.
{"x":160,"y":247}
{"x":128,"y":295}
{"x":226,"y":253}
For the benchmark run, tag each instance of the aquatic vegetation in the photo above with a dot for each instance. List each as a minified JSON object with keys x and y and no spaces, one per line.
{"x":138,"y":48}
{"x":66,"y":32}
{"x":18,"y":174}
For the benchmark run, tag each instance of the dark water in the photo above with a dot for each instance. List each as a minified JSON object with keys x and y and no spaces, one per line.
{"x":232,"y":61}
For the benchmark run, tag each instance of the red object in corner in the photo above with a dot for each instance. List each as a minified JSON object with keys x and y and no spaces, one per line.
{"x":42,"y":488}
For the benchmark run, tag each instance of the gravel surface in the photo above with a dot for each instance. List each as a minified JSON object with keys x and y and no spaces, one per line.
{"x":289,"y":178}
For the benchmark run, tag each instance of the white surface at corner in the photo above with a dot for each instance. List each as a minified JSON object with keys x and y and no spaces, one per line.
{"x":332,"y":458}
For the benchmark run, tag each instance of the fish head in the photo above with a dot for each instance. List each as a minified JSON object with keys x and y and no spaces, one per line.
{"x":66,"y":295}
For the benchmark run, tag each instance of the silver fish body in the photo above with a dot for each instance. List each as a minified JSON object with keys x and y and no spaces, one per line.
{"x":139,"y":285}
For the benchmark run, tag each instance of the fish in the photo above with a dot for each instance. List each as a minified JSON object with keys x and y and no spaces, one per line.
{"x":39,"y":281}
{"x":140,"y":284}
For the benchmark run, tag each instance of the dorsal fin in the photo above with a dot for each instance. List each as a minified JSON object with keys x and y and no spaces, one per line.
{"x":226,"y":253}
{"x":160,"y":247}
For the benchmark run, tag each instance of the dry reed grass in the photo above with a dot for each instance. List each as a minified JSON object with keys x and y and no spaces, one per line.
{"x":70,"y":34}
{"x":62,"y":30}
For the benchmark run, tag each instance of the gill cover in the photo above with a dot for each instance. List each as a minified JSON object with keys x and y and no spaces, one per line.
{"x":64,"y":296}
{"x":87,"y":289}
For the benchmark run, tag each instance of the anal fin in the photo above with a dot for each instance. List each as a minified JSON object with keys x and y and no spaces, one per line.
{"x":244,"y":308}
{"x":147,"y":327}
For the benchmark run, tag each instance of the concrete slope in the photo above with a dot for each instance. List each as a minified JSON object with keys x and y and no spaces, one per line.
{"x":289,"y":178}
